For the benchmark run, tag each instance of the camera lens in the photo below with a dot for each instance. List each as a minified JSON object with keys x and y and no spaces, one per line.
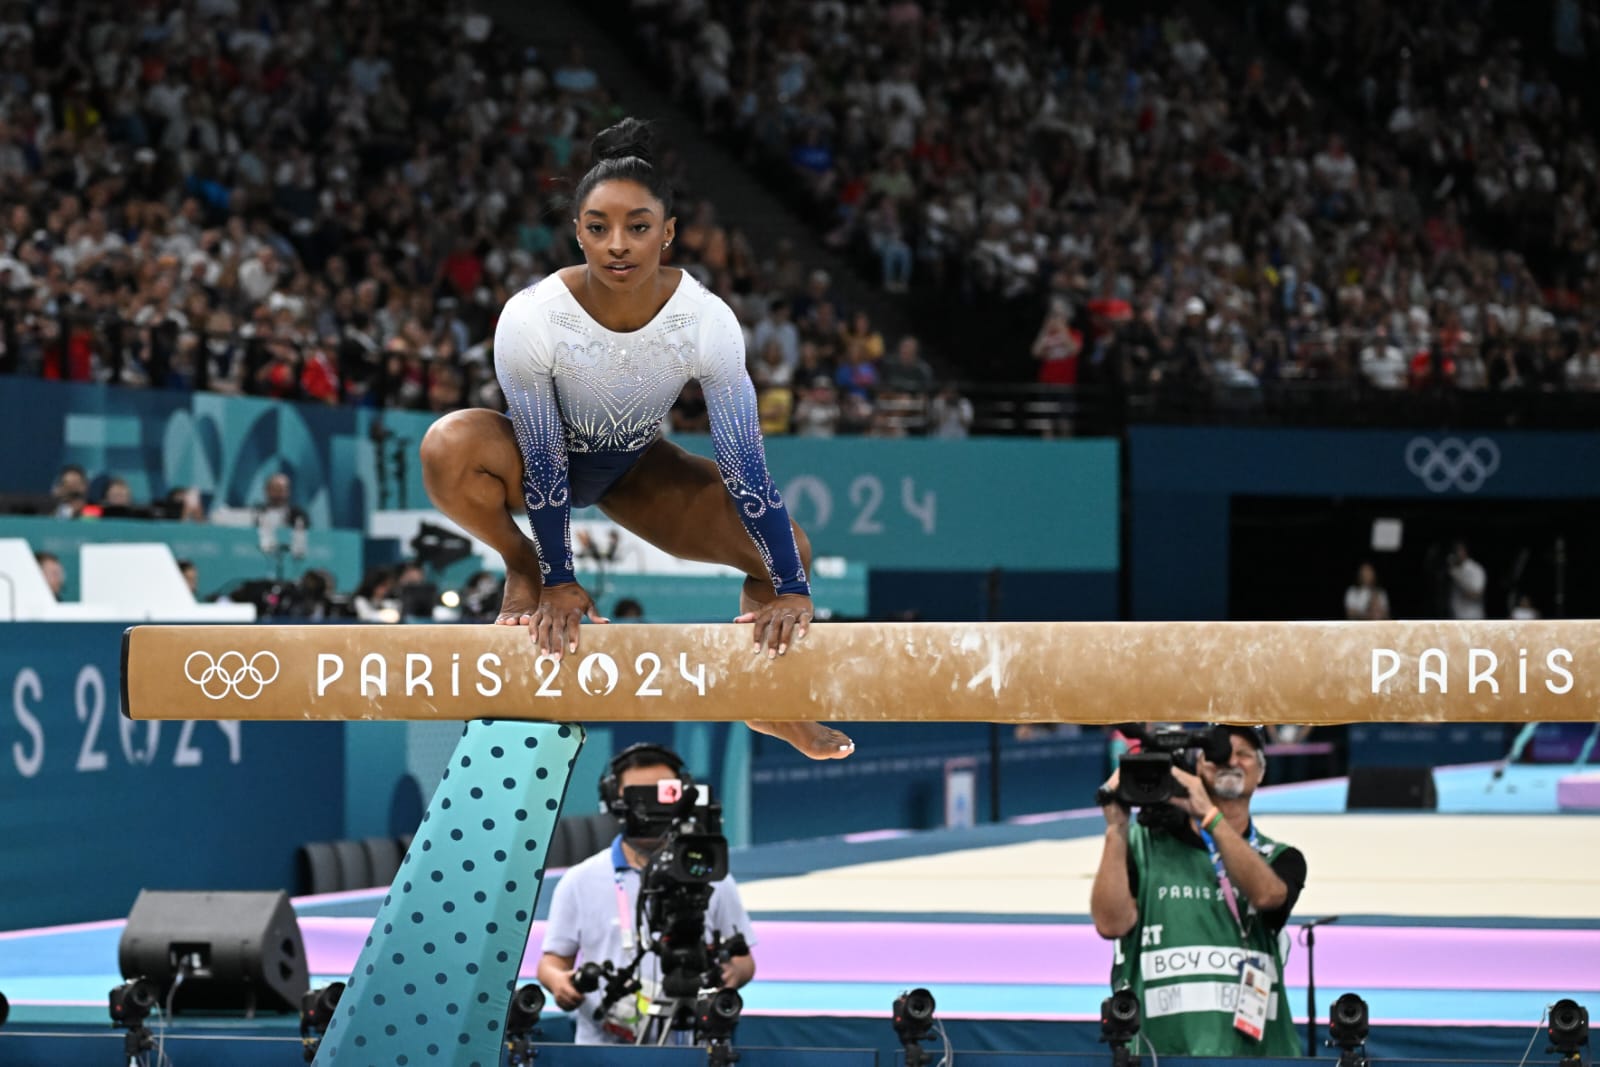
{"x":587,"y":980}
{"x":919,"y":1005}
{"x":1124,"y":1007}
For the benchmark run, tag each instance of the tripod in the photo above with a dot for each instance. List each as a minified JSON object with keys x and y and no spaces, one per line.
{"x":520,"y":1051}
{"x":1353,"y":1057}
{"x":666,"y":1018}
{"x":136,"y":1042}
{"x":1123,"y":1056}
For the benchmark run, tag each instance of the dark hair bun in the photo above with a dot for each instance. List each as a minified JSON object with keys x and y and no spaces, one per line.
{"x":629,"y":138}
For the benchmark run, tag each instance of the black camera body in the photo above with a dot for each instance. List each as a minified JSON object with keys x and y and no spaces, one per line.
{"x":675,"y":886}
{"x":1147,"y":775}
{"x":1146,"y":781}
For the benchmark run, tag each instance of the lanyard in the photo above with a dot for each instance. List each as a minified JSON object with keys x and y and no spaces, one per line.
{"x":619,"y":864}
{"x":1224,"y":883}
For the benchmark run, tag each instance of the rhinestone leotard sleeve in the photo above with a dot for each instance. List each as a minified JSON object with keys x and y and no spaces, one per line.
{"x":736,"y":439}
{"x":525,"y":369}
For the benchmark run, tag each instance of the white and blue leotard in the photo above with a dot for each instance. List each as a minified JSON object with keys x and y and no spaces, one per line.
{"x":586,"y":402}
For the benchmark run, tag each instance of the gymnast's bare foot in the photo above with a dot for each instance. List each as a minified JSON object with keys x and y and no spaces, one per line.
{"x":811,"y":738}
{"x":520,"y":601}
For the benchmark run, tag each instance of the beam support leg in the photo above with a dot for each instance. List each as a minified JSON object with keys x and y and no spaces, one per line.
{"x":435,"y":978}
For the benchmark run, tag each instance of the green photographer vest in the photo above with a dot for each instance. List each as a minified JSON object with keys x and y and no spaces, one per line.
{"x":1182,"y":958}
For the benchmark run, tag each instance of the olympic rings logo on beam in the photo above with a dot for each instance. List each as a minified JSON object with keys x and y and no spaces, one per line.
{"x":1453,"y":463}
{"x":231,"y":674}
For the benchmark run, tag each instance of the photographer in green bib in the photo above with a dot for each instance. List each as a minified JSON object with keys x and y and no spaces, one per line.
{"x":1196,"y":896}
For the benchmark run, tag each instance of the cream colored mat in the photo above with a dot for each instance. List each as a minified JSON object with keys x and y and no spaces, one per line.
{"x":1402,"y":865}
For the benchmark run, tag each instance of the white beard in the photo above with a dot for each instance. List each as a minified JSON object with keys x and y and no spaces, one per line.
{"x":1228,"y":785}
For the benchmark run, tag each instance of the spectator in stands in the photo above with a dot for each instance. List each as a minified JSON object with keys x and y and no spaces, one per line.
{"x":778,"y":328}
{"x":1382,"y":363}
{"x":55,"y":575}
{"x":857,"y":376}
{"x":593,"y":912}
{"x":375,"y":600}
{"x":950,"y":415}
{"x":907,"y":374}
{"x":859,"y":331}
{"x":117,"y":494}
{"x":1366,"y":599}
{"x":1583,"y":369}
{"x":1467,"y":583}
{"x":191,"y":576}
{"x":770,"y":370}
{"x":309,"y":598}
{"x":70,"y":491}
{"x":1056,"y":348}
{"x":627,"y":610}
{"x":775,"y":408}
{"x":182,"y":504}
{"x":1195,"y":875}
{"x":817,"y":414}
{"x":279,"y":508}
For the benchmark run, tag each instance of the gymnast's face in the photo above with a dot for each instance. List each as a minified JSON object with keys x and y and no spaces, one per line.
{"x":1236,"y":778}
{"x":623,"y":229}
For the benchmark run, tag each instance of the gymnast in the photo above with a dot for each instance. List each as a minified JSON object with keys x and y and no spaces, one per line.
{"x":590,"y":361}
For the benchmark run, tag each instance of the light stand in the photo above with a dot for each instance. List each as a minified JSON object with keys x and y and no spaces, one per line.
{"x":715,"y":1018}
{"x":1348,"y":1025}
{"x":1569,"y":1030}
{"x":1119,"y":1025}
{"x":316,"y":1012}
{"x":1308,"y":938}
{"x":522,"y":1025}
{"x":913,"y":1021}
{"x":131,"y":1004}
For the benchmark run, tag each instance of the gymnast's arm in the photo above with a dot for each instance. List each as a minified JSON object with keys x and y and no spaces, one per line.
{"x":736,"y":437}
{"x":527,"y":378}
{"x":1111,"y":901}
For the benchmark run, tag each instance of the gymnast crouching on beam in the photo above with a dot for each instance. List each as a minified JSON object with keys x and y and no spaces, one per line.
{"x":590,"y":360}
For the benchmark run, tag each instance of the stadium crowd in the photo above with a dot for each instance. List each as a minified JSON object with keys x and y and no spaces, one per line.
{"x":331,"y":202}
{"x":1178,"y":204}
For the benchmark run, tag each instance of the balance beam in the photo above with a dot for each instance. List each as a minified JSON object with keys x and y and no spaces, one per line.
{"x":1085,"y":672}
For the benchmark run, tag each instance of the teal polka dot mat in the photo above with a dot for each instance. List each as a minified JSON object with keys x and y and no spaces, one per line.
{"x":433,"y":982}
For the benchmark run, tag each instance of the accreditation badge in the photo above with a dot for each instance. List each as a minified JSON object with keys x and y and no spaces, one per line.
{"x":626,"y":1016}
{"x":1255,"y":993}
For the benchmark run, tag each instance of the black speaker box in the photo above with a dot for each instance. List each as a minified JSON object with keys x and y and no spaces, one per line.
{"x":1392,"y":787}
{"x":245,"y":948}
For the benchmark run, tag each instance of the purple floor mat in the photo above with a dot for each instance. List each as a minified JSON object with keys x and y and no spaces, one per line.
{"x":1460,"y":958}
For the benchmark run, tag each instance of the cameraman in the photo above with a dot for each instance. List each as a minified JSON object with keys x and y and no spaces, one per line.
{"x":592,"y":914}
{"x":1191,"y":892}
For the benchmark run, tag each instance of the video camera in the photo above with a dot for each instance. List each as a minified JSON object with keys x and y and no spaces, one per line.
{"x":1146,"y":781}
{"x":678,"y":820}
{"x":675,"y":885}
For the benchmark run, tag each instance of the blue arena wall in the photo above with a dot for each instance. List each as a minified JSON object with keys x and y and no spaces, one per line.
{"x":1182,"y":482}
{"x":94,"y":807}
{"x":929,"y":519}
